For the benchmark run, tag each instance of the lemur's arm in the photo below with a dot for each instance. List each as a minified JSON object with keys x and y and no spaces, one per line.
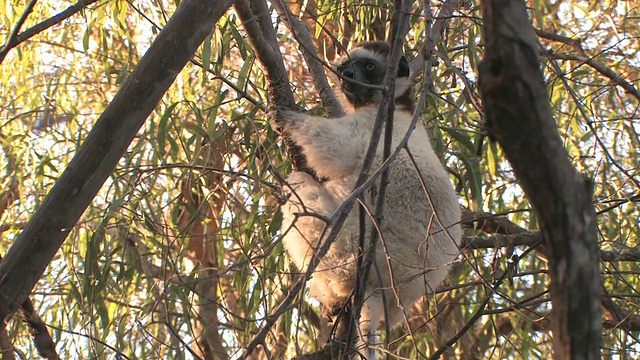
{"x":333,"y":147}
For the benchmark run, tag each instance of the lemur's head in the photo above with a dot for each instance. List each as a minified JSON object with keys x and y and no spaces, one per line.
{"x":367,"y":63}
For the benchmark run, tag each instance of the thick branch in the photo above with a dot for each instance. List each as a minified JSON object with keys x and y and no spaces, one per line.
{"x":256,"y":20}
{"x":519,"y":117}
{"x":95,"y":160}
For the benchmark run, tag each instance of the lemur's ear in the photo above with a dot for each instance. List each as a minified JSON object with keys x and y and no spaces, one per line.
{"x":403,"y":68}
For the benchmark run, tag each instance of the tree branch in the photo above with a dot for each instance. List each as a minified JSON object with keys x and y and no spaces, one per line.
{"x":577,"y":45}
{"x":263,"y":38}
{"x":108,"y":140}
{"x":603,"y":70}
{"x":43,"y":25}
{"x":39,"y":332}
{"x":435,"y":33}
{"x":519,"y":118}
{"x":474,"y":318}
{"x":315,"y":65}
{"x":16,"y":29}
{"x":490,"y":223}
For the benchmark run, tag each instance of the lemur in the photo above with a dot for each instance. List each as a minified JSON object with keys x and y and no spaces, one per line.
{"x":420,"y":224}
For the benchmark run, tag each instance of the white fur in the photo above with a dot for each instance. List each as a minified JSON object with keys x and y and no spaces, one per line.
{"x":419,"y":251}
{"x":365,"y":53}
{"x":402,"y":85}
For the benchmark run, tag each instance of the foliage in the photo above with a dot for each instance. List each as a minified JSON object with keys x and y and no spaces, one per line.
{"x":180,"y":248}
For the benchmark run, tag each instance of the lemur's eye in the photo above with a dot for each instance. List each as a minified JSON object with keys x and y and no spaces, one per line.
{"x":370,"y":66}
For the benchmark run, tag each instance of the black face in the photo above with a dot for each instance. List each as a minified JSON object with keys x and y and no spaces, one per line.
{"x":365,"y":71}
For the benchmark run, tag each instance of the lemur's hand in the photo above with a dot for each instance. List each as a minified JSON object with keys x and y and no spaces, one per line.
{"x":281,"y":118}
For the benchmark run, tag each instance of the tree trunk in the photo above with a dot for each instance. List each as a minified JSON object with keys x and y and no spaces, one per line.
{"x":519,"y":117}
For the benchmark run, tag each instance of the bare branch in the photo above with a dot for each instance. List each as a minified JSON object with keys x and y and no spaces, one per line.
{"x":499,"y":240}
{"x":531,"y":238}
{"x":587,"y":120}
{"x":56,"y":19}
{"x":474,"y":318}
{"x":555,"y":37}
{"x":616,"y":317}
{"x":490,"y":223}
{"x":256,"y":20}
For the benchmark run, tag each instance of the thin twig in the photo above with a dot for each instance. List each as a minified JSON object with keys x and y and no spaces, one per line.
{"x":436,"y":30}
{"x":587,"y":120}
{"x":16,"y":29}
{"x":43,"y":25}
{"x":603,"y":70}
{"x":476,"y":316}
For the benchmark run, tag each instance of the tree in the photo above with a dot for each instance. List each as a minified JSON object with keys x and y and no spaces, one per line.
{"x":177,"y":256}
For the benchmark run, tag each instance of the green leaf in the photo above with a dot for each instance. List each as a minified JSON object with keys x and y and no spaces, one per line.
{"x":206,"y":58}
{"x":462,"y":137}
{"x":475,"y":178}
{"x":163,"y":128}
{"x":492,"y":159}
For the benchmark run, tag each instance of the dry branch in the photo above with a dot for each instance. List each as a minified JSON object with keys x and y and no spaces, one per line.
{"x":95,"y":160}
{"x":519,"y":118}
